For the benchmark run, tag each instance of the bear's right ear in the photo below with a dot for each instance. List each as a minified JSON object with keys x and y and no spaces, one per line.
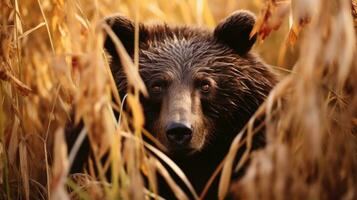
{"x":124,"y":29}
{"x":235,"y":30}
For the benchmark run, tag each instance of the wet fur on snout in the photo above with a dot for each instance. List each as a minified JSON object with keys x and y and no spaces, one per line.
{"x":182,"y":104}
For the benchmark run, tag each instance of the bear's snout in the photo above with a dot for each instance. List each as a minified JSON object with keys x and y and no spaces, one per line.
{"x":179,"y":134}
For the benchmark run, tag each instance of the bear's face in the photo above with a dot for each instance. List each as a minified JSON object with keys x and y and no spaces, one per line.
{"x":202,"y":85}
{"x":183,"y":80}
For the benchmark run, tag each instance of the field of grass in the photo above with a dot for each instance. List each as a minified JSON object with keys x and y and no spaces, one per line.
{"x":52,"y":60}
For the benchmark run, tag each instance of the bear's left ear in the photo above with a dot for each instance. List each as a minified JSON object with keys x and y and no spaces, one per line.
{"x":124,"y":29}
{"x":234,"y":31}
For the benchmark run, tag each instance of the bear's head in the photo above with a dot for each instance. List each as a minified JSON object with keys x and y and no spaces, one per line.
{"x":203,"y":85}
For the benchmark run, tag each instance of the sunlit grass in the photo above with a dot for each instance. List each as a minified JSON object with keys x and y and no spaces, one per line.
{"x":52,"y":61}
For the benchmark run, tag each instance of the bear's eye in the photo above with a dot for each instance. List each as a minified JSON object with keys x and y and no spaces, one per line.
{"x":157,"y":87}
{"x":205,"y":86}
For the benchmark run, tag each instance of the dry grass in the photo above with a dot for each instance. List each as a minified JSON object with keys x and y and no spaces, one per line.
{"x":52,"y":58}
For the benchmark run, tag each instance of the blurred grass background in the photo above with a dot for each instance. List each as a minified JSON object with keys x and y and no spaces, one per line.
{"x":52,"y":58}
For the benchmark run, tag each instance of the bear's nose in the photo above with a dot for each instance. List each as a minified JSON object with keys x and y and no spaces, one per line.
{"x":179,"y":133}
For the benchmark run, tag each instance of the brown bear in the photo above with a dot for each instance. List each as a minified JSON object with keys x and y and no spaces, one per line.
{"x":203,"y":87}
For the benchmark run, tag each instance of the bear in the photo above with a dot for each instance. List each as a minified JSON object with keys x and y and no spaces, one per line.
{"x":203,"y":85}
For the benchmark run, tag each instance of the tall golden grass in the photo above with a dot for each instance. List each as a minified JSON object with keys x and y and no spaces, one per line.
{"x":52,"y":59}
